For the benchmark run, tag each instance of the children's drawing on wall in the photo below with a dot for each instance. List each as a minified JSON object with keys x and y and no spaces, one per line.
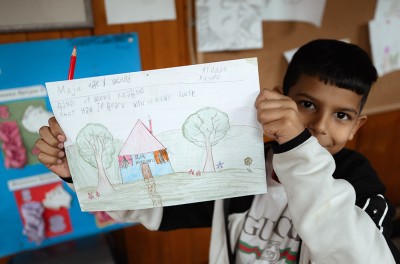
{"x":162,"y":137}
{"x":228,"y":25}
{"x":385,"y":44}
{"x":136,"y":11}
{"x":22,"y":113}
{"x":387,"y":9}
{"x":310,"y":11}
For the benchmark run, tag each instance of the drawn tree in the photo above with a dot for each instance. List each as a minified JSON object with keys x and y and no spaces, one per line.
{"x":206,"y":128}
{"x":96,"y":146}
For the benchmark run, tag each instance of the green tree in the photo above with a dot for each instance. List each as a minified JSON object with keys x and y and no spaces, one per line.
{"x":206,"y":128}
{"x":96,"y":146}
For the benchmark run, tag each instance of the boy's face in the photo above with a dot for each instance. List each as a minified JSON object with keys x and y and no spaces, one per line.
{"x":331,"y":114}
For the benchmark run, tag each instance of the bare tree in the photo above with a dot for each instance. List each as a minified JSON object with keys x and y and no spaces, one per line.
{"x":96,"y":146}
{"x":206,"y":128}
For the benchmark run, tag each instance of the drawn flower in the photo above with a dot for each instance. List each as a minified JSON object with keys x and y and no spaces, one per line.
{"x":220,"y":165}
{"x":248,"y":161}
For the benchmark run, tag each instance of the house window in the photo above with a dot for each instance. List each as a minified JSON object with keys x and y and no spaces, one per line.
{"x":125,"y":161}
{"x":160,"y":156}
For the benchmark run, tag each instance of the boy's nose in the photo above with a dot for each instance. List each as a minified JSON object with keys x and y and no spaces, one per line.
{"x":319,"y":124}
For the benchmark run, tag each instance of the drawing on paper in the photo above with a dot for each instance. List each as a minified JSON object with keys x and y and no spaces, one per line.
{"x":390,"y":59}
{"x":95,"y":145}
{"x":385,"y":44}
{"x":142,"y":157}
{"x":177,"y":138}
{"x":228,"y":25}
{"x":205,"y":128}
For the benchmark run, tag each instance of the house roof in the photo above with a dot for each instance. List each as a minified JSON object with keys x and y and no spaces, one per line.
{"x":140,"y":140}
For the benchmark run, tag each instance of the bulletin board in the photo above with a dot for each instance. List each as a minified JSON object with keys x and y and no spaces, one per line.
{"x":27,"y":188}
{"x":342,"y":19}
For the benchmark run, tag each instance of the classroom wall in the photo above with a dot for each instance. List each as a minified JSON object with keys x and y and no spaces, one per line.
{"x":343,"y":19}
{"x":162,"y":44}
{"x":165,"y":44}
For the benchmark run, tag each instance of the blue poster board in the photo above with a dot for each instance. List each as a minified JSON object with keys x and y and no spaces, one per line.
{"x":24,"y":68}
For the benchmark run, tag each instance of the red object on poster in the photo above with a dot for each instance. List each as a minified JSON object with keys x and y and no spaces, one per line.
{"x":103,"y":219}
{"x":57,"y":222}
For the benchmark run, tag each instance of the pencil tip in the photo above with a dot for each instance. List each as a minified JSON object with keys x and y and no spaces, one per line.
{"x":74,"y":51}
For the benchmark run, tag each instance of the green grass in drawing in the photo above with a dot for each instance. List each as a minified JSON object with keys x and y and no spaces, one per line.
{"x":146,"y":164}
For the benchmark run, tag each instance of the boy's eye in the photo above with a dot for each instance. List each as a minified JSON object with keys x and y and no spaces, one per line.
{"x":307,"y":104}
{"x":342,"y":116}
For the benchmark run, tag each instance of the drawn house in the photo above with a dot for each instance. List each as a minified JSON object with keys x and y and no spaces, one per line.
{"x":142,"y":155}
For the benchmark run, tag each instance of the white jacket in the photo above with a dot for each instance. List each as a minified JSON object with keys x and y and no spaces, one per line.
{"x":333,"y":229}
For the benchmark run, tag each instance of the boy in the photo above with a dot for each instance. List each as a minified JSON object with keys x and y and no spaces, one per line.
{"x":325,"y":204}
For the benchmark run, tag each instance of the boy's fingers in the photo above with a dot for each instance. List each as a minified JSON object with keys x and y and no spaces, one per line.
{"x":48,"y":137}
{"x":56,"y":130}
{"x":266,"y":94}
{"x":278,"y":89}
{"x":48,"y":160}
{"x":49,"y":150}
{"x":271,"y":114}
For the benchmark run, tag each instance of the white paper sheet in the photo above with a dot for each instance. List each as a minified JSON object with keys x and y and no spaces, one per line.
{"x":162,"y":137}
{"x":387,"y":8}
{"x":133,"y":11}
{"x":385,"y":44}
{"x":310,"y":11}
{"x":228,"y":25}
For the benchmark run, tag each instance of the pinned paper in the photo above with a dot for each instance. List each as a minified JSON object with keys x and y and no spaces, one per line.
{"x":387,"y":8}
{"x":310,"y":11}
{"x":289,"y":54}
{"x":228,"y":25}
{"x":385,"y":44}
{"x":133,"y":11}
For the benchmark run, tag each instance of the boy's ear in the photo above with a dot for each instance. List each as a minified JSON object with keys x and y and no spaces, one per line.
{"x":360,"y":121}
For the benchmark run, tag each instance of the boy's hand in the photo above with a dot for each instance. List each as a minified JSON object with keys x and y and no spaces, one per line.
{"x":51,"y":148}
{"x":278,"y":115}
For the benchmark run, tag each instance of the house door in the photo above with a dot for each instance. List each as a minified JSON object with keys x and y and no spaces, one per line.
{"x":146,"y":171}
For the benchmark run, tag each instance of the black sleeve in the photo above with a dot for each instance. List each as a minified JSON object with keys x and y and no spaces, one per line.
{"x":370,"y":192}
{"x":381,"y":212}
{"x":199,"y":214}
{"x":187,"y":216}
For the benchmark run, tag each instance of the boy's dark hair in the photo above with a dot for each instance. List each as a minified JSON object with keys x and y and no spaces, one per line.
{"x":334,"y":62}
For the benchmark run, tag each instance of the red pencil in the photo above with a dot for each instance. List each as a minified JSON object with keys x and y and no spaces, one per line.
{"x":72,"y":65}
